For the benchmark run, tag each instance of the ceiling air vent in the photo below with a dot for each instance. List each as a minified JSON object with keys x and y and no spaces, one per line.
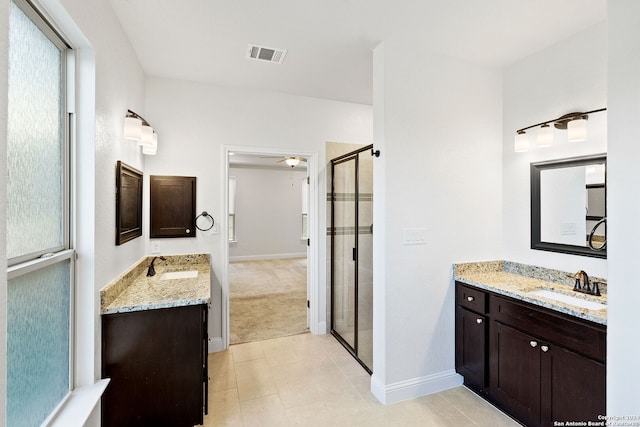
{"x":263,"y":53}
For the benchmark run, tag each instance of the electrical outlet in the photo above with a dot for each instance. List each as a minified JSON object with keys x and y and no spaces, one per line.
{"x":155,"y":247}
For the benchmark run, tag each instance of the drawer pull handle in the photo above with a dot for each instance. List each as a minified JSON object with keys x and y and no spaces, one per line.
{"x":533,"y":343}
{"x":544,"y":348}
{"x":470,"y":299}
{"x":478,"y":321}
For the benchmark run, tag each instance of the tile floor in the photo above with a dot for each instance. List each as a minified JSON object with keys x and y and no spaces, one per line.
{"x":312,"y":381}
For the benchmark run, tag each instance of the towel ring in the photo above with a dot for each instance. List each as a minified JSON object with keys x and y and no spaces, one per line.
{"x":205,"y":214}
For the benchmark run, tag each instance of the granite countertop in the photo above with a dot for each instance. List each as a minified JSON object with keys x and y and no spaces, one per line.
{"x":134,"y":291}
{"x":517,"y":280}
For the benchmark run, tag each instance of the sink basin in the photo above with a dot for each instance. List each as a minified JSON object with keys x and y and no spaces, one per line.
{"x":556,"y":296}
{"x":171,"y":275}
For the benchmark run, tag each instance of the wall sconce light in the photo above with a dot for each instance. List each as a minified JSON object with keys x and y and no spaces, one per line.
{"x":136,"y":128}
{"x":574,"y":123}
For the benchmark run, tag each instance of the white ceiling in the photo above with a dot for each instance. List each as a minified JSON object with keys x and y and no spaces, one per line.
{"x":330,"y":42}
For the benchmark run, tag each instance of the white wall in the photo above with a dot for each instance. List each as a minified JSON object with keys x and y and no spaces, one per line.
{"x":268,"y":213}
{"x":566,"y":77}
{"x":112,"y":81}
{"x":623,"y":380}
{"x":195,"y":121}
{"x":440,"y":169}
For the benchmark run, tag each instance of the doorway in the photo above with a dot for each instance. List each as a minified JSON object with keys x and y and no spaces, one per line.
{"x":263,"y":281}
{"x":352,"y":253}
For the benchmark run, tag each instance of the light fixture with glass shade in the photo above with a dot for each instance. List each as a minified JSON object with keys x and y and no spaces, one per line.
{"x":577,"y":129}
{"x":151,"y":149}
{"x":574,"y":123}
{"x":292,"y":161}
{"x":132,"y":128}
{"x":136,"y":128}
{"x":522,"y":142}
{"x":545,"y":136}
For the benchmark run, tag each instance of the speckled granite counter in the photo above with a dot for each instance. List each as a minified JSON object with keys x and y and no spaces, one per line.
{"x":517,"y":280}
{"x":134,"y":291}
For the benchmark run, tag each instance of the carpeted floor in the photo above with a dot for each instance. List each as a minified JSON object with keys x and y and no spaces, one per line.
{"x":267,"y":299}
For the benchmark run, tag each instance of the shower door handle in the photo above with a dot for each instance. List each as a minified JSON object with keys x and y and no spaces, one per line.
{"x":354,"y":254}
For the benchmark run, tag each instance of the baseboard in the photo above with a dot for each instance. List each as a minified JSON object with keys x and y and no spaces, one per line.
{"x":322,"y":328}
{"x":216,"y":344}
{"x":415,"y":387}
{"x":268,"y":256}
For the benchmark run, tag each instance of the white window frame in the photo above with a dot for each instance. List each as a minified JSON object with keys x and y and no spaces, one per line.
{"x":43,"y":258}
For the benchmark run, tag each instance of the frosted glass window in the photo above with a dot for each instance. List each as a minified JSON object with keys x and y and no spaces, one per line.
{"x":37,"y":343}
{"x":35,"y":140}
{"x":39,"y":289}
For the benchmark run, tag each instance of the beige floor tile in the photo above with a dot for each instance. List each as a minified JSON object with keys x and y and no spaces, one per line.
{"x":264,"y":411}
{"x":256,"y":368}
{"x":224,"y":409}
{"x":252,"y":388}
{"x":247,"y":351}
{"x":312,"y":381}
{"x":222,"y":379}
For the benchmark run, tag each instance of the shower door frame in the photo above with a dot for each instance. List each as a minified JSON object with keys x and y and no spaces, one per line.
{"x":353,"y":155}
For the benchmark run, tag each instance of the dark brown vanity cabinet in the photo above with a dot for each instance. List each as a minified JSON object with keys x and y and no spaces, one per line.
{"x":157,"y":362}
{"x":543,"y":366}
{"x":471,"y":337}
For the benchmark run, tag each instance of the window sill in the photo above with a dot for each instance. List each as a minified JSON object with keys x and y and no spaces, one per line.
{"x":79,"y":406}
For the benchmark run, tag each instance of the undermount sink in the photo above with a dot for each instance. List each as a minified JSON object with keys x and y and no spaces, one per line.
{"x":171,"y":275}
{"x":556,"y":296}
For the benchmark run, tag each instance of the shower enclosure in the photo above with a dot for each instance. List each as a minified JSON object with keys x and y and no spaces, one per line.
{"x":352,"y":253}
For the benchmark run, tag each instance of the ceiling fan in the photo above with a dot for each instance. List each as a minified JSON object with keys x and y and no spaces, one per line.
{"x":292,"y":161}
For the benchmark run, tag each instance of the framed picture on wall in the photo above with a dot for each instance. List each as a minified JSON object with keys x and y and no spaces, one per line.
{"x":128,"y":203}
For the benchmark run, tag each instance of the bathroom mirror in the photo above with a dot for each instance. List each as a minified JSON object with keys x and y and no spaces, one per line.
{"x":568,"y":206}
{"x":128,"y":203}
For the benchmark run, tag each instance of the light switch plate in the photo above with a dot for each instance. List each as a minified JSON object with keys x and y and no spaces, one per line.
{"x":414,"y":236}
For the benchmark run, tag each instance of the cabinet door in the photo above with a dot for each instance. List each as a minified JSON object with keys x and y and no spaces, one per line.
{"x":471,"y":348}
{"x":573,"y":386}
{"x":154,"y":360}
{"x":172,"y":206}
{"x":514,"y":369}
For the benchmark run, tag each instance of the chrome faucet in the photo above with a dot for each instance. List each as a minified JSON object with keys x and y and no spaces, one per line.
{"x":152,"y":271}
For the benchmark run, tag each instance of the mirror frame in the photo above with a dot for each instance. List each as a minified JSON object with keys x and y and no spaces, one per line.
{"x":125,"y":205}
{"x":538,"y":167}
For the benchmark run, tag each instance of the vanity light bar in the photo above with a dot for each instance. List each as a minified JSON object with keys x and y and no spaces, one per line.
{"x":574,"y":123}
{"x":136,"y":128}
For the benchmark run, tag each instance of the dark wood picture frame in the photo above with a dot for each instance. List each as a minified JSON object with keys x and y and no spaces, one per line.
{"x":536,"y":241}
{"x":128,"y":203}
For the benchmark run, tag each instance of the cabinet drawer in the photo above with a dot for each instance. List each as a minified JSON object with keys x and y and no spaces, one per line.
{"x":573,"y":334}
{"x":471,"y":298}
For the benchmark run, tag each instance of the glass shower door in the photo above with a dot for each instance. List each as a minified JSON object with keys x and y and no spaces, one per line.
{"x":352,"y":254}
{"x":344,"y":243}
